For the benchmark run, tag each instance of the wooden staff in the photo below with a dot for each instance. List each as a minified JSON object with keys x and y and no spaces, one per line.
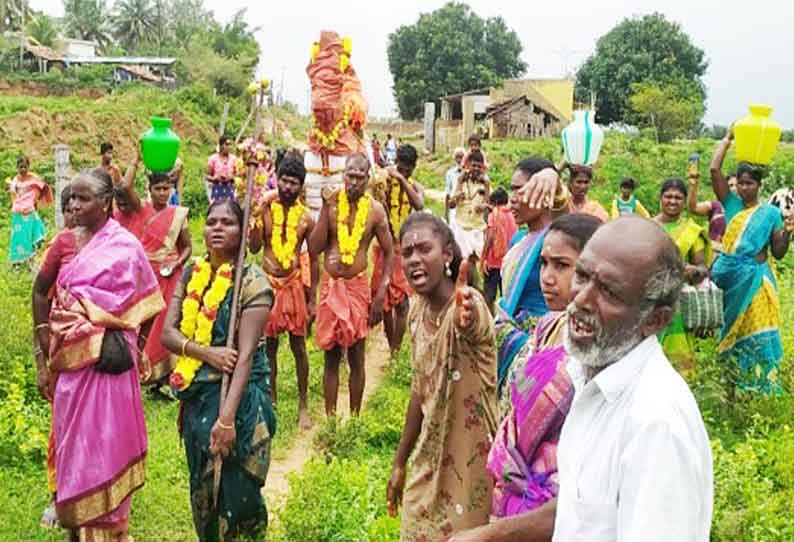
{"x":238,"y":283}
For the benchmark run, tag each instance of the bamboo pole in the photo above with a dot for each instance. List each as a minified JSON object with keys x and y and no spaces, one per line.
{"x":217,"y":464}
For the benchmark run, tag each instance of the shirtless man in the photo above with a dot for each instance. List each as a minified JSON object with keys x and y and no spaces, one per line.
{"x":409,"y":195}
{"x":347,"y":308}
{"x":294,"y":306}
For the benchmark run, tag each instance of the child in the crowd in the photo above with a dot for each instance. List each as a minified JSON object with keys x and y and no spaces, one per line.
{"x":501,"y":229}
{"x":475,"y":144}
{"x":626,"y":203}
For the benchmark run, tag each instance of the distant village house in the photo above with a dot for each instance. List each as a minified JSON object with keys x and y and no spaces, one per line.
{"x":520,"y":108}
{"x":70,"y":52}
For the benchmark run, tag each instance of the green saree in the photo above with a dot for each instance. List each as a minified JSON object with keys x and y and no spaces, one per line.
{"x":241,"y":508}
{"x":677,"y":342}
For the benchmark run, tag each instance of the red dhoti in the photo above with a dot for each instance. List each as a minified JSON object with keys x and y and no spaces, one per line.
{"x":398,"y":289}
{"x":343,"y":311}
{"x":289,"y":312}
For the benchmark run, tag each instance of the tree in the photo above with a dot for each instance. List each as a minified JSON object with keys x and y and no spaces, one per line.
{"x":43,"y":29}
{"x":133,"y":22}
{"x":639,"y":50}
{"x":666,"y":109}
{"x":447,"y":51}
{"x":13,"y":14}
{"x":204,"y":65}
{"x":87,"y":20}
{"x":187,"y":19}
{"x":236,"y":39}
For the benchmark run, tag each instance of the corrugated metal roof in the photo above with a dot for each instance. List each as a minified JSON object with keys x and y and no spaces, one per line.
{"x":41,"y":51}
{"x":141,"y":73}
{"x":140,"y":60}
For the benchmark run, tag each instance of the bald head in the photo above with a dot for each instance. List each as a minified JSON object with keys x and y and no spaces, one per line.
{"x":648,"y":256}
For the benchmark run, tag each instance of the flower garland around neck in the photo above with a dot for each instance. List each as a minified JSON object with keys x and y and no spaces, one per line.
{"x":398,"y":210}
{"x":284,"y":243}
{"x":199,"y":311}
{"x":349,"y":240}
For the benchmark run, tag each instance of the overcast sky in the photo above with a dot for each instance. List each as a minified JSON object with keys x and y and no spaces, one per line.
{"x":749,"y":51}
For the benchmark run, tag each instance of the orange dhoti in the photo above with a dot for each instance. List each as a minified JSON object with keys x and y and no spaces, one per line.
{"x":289,"y":312}
{"x":398,"y":289}
{"x":343,"y":311}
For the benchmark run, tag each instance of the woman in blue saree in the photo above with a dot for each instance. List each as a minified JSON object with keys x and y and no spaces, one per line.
{"x":523,"y":304}
{"x":751,"y":333}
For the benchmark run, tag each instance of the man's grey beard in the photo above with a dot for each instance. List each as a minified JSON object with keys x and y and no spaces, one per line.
{"x":609,"y":346}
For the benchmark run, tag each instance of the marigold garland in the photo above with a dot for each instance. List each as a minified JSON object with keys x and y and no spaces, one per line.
{"x":329,"y":140}
{"x":199,"y":314}
{"x":283,"y":242}
{"x":398,"y":210}
{"x":349,"y":241}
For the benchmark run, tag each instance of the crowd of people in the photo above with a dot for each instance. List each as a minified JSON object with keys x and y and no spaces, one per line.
{"x":543,"y":400}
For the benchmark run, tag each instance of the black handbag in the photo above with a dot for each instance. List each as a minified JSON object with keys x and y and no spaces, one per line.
{"x":115,"y":357}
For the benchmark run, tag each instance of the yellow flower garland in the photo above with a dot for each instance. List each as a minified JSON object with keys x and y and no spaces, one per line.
{"x":329,"y":140}
{"x":284,"y":246}
{"x":398,"y":211}
{"x":349,"y":241}
{"x":199,"y":314}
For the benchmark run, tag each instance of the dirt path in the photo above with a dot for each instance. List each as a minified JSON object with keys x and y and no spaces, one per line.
{"x":293,"y":459}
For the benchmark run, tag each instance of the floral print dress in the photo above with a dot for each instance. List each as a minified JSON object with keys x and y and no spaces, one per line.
{"x":448,"y":488}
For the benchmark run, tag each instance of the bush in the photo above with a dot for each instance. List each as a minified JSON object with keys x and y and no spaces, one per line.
{"x":340,"y":501}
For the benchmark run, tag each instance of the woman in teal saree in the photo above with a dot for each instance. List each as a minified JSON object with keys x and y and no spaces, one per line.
{"x":243,"y":429}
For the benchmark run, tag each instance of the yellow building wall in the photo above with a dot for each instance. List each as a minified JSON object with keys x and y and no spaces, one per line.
{"x":559,"y":92}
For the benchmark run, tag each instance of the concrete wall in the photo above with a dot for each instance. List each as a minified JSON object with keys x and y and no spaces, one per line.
{"x":449,"y":134}
{"x":397,"y":129}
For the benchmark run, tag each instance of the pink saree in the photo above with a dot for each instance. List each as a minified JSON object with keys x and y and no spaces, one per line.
{"x":523,"y":457}
{"x":100,"y":434}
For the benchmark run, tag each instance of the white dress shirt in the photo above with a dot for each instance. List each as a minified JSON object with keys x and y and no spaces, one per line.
{"x":634,"y":458}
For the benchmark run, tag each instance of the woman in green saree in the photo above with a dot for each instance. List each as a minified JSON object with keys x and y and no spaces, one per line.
{"x":695,"y":249}
{"x":242,"y":431}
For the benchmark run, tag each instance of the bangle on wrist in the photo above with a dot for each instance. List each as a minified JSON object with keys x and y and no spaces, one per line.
{"x":223,"y":425}
{"x":42,"y":326}
{"x":184,"y":346}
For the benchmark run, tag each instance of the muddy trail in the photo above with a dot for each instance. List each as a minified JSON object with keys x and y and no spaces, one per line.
{"x":293,"y":459}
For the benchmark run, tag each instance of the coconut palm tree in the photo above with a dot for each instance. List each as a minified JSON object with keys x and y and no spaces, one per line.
{"x":13,"y":14}
{"x":134,"y":22}
{"x":43,"y":29}
{"x":87,"y":20}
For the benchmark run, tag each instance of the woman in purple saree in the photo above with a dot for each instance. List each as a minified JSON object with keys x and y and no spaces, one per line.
{"x":98,"y":423}
{"x":523,"y":457}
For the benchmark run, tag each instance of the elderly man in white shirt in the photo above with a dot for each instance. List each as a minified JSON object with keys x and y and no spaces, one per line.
{"x":451,"y":183}
{"x":634,"y":458}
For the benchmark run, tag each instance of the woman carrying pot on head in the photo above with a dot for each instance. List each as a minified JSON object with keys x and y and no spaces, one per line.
{"x":163,"y":231}
{"x":750,"y":335}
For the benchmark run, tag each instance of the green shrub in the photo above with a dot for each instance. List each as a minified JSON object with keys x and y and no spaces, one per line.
{"x":340,"y":501}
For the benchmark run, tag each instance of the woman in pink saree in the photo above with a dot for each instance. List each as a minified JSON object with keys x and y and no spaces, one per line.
{"x":523,"y":457}
{"x":163,"y":231}
{"x":108,"y":291}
